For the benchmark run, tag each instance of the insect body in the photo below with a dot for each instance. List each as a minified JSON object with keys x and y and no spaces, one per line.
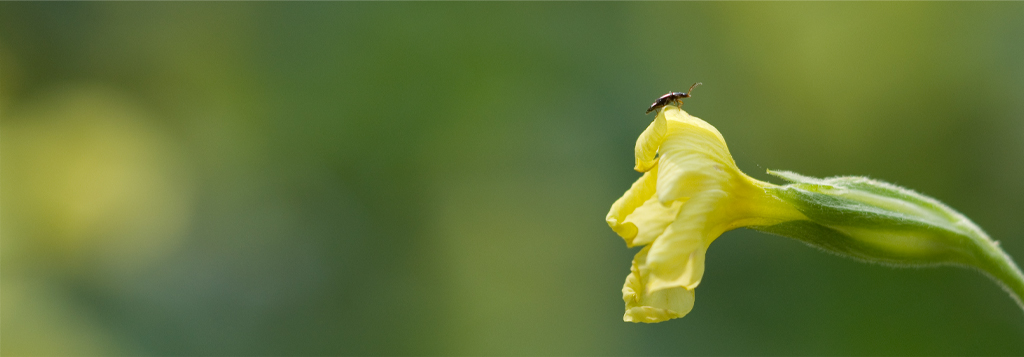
{"x":671,"y":97}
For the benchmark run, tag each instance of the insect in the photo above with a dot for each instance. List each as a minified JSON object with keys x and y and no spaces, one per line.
{"x":671,"y":97}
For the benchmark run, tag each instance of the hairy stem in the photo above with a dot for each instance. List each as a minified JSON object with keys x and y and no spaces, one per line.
{"x":1001,"y":267}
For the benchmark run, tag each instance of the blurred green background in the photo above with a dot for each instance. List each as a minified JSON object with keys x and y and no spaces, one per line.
{"x":432,"y":178}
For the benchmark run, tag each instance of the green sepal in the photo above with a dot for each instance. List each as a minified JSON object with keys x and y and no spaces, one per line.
{"x":860,"y":200}
{"x":875,"y":221}
{"x":847,"y":245}
{"x":878,"y":222}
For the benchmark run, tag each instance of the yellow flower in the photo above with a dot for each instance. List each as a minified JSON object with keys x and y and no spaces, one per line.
{"x":691,"y":192}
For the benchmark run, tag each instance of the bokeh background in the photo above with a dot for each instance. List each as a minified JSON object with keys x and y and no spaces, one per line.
{"x":432,"y":178}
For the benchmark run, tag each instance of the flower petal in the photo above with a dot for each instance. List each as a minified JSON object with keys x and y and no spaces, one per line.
{"x":641,"y":191}
{"x":649,"y":141}
{"x":681,"y":116}
{"x":651,"y":219}
{"x":676,"y":257}
{"x":692,"y":159}
{"x":658,"y":306}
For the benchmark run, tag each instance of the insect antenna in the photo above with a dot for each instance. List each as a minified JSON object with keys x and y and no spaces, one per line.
{"x":689,"y":91}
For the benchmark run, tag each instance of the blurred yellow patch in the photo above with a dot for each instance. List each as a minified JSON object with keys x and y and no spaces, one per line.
{"x":92,"y":192}
{"x":88,"y":181}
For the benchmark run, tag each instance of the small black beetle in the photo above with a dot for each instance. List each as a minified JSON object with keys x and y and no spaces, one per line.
{"x":671,"y":97}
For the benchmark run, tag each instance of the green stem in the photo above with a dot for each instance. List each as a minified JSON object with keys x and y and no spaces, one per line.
{"x":1001,"y":267}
